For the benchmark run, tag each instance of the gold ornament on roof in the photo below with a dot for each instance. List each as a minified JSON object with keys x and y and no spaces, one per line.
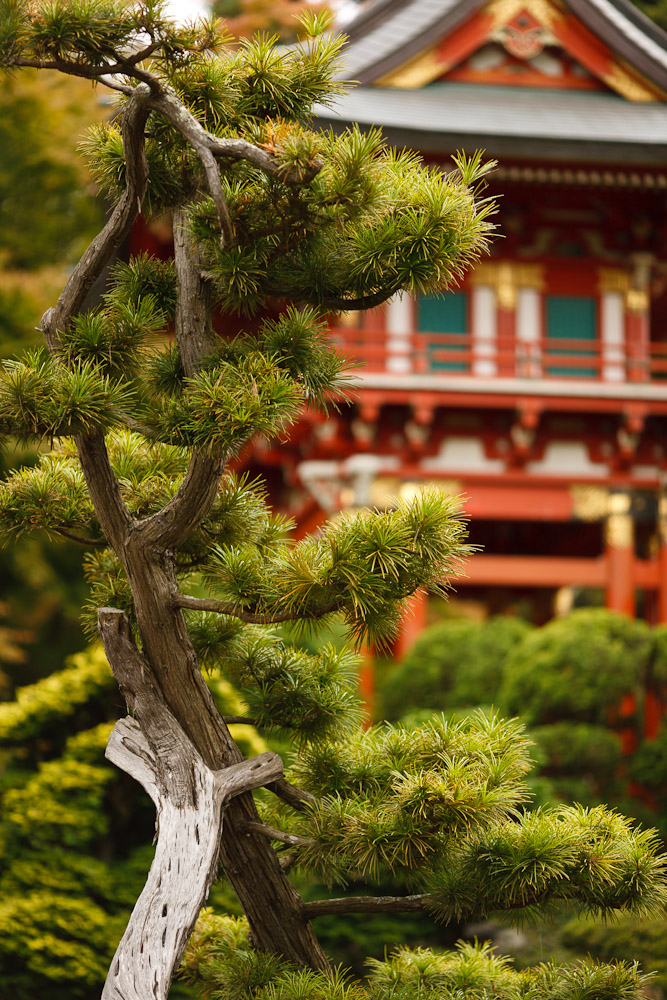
{"x":589,"y":503}
{"x":627,"y":82}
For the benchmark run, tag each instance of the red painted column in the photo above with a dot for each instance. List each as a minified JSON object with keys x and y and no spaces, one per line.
{"x":637,"y":319}
{"x":413,"y":624}
{"x":662,"y":558}
{"x":620,"y":555}
{"x":506,"y":298}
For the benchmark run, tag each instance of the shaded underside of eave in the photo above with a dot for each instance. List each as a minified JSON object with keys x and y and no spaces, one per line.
{"x":510,"y":122}
{"x":395,"y":31}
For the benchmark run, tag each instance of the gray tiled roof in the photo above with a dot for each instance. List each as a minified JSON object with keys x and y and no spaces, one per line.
{"x":414,"y":19}
{"x":629,"y":32}
{"x":514,"y":113}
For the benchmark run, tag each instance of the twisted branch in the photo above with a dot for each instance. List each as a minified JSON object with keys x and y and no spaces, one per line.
{"x":253,"y":617}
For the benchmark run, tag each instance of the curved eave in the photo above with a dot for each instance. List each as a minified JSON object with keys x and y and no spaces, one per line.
{"x":396,"y":31}
{"x":628,"y":32}
{"x":510,"y":122}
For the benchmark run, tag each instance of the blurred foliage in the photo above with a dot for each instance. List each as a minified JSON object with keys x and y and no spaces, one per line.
{"x":277,"y":17}
{"x":48,"y":210}
{"x":624,"y":939}
{"x":75,"y":832}
{"x":655,"y":9}
{"x":48,"y":213}
{"x":455,"y":664}
{"x":577,"y":668}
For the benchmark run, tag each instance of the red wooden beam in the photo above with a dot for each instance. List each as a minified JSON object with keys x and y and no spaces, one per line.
{"x":547,"y":571}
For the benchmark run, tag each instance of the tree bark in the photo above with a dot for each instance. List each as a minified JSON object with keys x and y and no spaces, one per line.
{"x":273,"y":908}
{"x":189,"y":788}
{"x":190,"y":809}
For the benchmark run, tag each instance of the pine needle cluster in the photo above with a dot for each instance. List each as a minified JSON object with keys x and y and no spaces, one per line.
{"x":220,"y":960}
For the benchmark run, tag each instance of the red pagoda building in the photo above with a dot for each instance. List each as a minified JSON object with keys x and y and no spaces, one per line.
{"x":537,"y":388}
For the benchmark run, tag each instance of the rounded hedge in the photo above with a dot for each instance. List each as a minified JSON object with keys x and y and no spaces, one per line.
{"x":455,"y":664}
{"x":576,"y":668}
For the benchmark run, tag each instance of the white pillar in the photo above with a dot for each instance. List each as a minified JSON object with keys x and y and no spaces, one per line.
{"x":400,"y":328}
{"x":484,"y":330}
{"x":613,"y":336}
{"x":529,"y":332}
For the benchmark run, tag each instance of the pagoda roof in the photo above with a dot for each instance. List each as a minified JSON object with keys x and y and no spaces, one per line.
{"x":409,"y":59}
{"x":387,"y":33}
{"x":553,"y":124}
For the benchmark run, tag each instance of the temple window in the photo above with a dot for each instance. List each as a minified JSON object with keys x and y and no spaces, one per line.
{"x":569,"y":319}
{"x":446,"y":317}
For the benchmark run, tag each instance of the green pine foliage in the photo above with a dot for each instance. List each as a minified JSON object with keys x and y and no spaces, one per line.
{"x":220,"y":956}
{"x":272,"y":214}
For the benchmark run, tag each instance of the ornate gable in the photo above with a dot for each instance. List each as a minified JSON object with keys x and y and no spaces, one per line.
{"x":524,"y":43}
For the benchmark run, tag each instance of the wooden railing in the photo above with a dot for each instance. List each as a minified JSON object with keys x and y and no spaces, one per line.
{"x":465,"y":354}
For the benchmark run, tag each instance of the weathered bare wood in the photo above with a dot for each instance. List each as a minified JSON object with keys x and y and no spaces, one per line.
{"x":104,"y":489}
{"x":109,"y":239}
{"x":170,"y":526}
{"x":103,"y":486}
{"x":251,"y":773}
{"x":294,"y":796}
{"x":170,"y":105}
{"x":184,"y":864}
{"x":189,"y":798}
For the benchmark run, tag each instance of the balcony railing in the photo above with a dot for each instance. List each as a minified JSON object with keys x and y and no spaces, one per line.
{"x":498,"y":357}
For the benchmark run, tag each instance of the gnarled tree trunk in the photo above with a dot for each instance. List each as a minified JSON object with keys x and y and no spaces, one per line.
{"x":190,"y":798}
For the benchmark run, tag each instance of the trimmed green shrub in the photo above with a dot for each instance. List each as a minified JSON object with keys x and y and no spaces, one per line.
{"x":576,"y":668}
{"x":455,"y":664}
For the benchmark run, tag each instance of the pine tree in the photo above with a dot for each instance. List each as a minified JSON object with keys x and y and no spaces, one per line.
{"x":143,"y":428}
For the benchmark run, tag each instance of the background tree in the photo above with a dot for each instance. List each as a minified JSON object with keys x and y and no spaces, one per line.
{"x":48,"y":214}
{"x":244,"y":18}
{"x":455,"y":664}
{"x":264,"y":207}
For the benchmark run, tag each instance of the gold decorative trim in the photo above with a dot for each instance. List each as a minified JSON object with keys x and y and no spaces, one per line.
{"x":386,"y":488}
{"x":416,"y":72}
{"x":503,"y":11}
{"x":637,"y":301}
{"x":627,"y":82}
{"x":507,"y":278}
{"x":589,"y":503}
{"x":506,"y":272}
{"x":662,"y":519}
{"x":619,"y":503}
{"x":612,"y":279}
{"x":619,"y":531}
